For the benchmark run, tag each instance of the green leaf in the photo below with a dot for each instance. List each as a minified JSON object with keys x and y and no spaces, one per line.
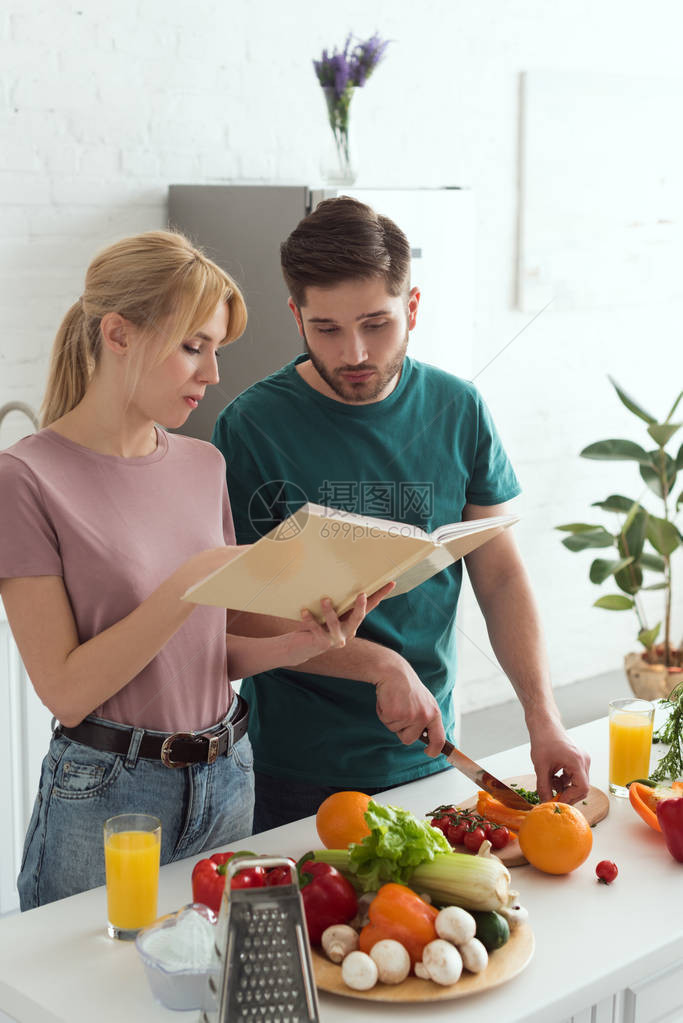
{"x":632,"y":537}
{"x":656,"y":586}
{"x":660,"y":464}
{"x":577,"y":527}
{"x":679,"y":458}
{"x":616,"y":450}
{"x":630,"y":404}
{"x":663,"y":535}
{"x":648,"y":636}
{"x":629,"y":579}
{"x":662,"y":433}
{"x":674,"y":407}
{"x":615,"y":503}
{"x":602,"y":569}
{"x":652,"y":562}
{"x":614,"y":602}
{"x":581,"y":541}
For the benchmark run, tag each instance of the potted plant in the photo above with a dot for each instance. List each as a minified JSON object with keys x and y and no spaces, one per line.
{"x":643,"y":546}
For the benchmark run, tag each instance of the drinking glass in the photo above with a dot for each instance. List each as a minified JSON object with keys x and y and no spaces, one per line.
{"x":630,"y":742}
{"x":132,"y":847}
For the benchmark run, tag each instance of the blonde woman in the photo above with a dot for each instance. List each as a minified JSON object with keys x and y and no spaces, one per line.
{"x":106,"y":520}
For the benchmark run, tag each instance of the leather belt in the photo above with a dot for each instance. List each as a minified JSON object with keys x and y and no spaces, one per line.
{"x":177,"y":749}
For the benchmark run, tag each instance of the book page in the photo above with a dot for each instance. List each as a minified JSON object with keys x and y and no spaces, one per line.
{"x":453,"y":530}
{"x":306,"y":558}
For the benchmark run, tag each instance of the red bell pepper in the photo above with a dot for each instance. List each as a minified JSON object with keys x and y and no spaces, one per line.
{"x":670,"y":817}
{"x":327,"y":896}
{"x":208,"y":878}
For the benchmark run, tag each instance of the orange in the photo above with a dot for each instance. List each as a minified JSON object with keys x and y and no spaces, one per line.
{"x":555,"y":837}
{"x":340,"y":819}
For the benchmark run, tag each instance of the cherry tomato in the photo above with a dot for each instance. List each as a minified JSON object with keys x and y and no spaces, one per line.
{"x":251,"y":877}
{"x":606,"y":871}
{"x":441,"y":823}
{"x":279,"y":875}
{"x":473,"y":839}
{"x":499,"y":837}
{"x":456,"y":833}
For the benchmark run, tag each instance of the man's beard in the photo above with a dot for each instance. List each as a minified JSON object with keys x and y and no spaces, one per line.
{"x":363,"y":391}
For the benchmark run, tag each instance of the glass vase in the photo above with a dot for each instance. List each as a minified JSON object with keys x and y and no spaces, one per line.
{"x":338,"y":164}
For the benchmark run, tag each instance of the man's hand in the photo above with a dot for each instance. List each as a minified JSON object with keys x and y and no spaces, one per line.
{"x":405,"y":706}
{"x":553,"y":751}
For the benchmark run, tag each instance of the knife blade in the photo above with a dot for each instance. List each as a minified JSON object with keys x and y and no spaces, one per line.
{"x":481,"y":777}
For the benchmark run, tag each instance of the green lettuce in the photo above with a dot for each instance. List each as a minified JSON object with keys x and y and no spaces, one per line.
{"x":398,"y":843}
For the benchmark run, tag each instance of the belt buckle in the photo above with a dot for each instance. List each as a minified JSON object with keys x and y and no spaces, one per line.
{"x":166,"y":745}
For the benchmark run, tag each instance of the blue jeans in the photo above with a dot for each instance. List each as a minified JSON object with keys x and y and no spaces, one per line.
{"x":282,"y":800}
{"x":200,"y":807}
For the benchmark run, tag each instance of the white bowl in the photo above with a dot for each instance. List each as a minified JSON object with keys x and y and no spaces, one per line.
{"x":175,"y":987}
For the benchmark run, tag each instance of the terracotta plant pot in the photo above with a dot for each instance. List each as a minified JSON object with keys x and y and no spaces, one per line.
{"x":650,"y":681}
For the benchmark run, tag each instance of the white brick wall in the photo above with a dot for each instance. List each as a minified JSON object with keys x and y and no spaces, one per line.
{"x":103,"y":104}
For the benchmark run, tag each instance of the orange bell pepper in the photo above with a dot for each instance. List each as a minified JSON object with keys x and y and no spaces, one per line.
{"x":493,"y":810}
{"x":397,"y":912}
{"x":644,"y":799}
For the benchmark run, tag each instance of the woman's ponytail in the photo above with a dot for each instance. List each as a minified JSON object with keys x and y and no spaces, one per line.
{"x":71,"y":366}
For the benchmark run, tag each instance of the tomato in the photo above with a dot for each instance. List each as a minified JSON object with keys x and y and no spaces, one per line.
{"x":279,"y":875}
{"x":441,"y":823}
{"x":456,"y":833}
{"x":606,"y":871}
{"x":251,"y":877}
{"x":499,"y":837}
{"x":473,"y":839}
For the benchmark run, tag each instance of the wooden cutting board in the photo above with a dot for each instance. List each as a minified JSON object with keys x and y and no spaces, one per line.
{"x":594,"y":807}
{"x":504,"y":964}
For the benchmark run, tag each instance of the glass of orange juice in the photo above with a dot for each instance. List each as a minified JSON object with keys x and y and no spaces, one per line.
{"x":132,"y":847}
{"x":630,"y":742}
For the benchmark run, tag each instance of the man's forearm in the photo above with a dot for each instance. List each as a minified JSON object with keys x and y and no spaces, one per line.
{"x":360,"y":659}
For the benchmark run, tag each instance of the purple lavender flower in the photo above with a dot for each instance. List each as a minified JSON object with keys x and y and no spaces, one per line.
{"x":350,"y":67}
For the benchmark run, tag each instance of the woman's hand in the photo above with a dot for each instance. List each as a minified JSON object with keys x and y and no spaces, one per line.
{"x":311,"y":638}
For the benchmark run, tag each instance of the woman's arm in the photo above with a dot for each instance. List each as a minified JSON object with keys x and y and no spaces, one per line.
{"x":73,"y":678}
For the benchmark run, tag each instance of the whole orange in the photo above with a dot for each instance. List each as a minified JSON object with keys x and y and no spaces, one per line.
{"x":340,"y":819}
{"x":555,"y":837}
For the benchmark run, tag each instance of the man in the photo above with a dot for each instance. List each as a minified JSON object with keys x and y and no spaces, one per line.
{"x":357,"y":424}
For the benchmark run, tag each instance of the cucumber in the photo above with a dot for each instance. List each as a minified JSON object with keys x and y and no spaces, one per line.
{"x":492,"y":929}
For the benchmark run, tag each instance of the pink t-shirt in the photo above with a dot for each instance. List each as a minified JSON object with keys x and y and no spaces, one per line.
{"x":114,"y":528}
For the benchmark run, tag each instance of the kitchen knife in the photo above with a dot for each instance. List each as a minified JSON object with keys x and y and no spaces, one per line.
{"x":484,"y":779}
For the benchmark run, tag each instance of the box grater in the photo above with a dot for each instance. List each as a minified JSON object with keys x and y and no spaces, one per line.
{"x":262,"y":966}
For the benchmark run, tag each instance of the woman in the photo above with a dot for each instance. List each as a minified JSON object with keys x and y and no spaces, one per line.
{"x":106,"y":521}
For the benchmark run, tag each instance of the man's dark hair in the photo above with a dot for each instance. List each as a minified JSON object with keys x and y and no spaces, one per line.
{"x":342,"y":240}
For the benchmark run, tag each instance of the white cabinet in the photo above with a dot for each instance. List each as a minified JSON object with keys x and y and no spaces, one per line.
{"x":28,"y":734}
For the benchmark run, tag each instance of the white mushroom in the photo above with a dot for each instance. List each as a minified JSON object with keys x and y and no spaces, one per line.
{"x":474,"y":956}
{"x":359,"y":971}
{"x":337,"y":941}
{"x":442,"y":962}
{"x":514,"y":914}
{"x":485,"y":848}
{"x":392,"y":961}
{"x":455,"y":924}
{"x":422,"y":971}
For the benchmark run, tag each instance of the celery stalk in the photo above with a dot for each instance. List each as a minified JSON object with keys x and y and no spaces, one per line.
{"x":453,"y":879}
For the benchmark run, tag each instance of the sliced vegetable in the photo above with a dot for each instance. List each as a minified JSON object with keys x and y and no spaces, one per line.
{"x":670,"y":817}
{"x":398,"y":914}
{"x":492,"y":929}
{"x":644,"y":798}
{"x":495,"y":811}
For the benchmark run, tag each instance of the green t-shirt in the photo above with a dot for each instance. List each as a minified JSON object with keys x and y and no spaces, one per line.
{"x":418,"y":456}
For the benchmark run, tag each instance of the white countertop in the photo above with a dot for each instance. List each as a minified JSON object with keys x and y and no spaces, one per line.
{"x":57,"y":964}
